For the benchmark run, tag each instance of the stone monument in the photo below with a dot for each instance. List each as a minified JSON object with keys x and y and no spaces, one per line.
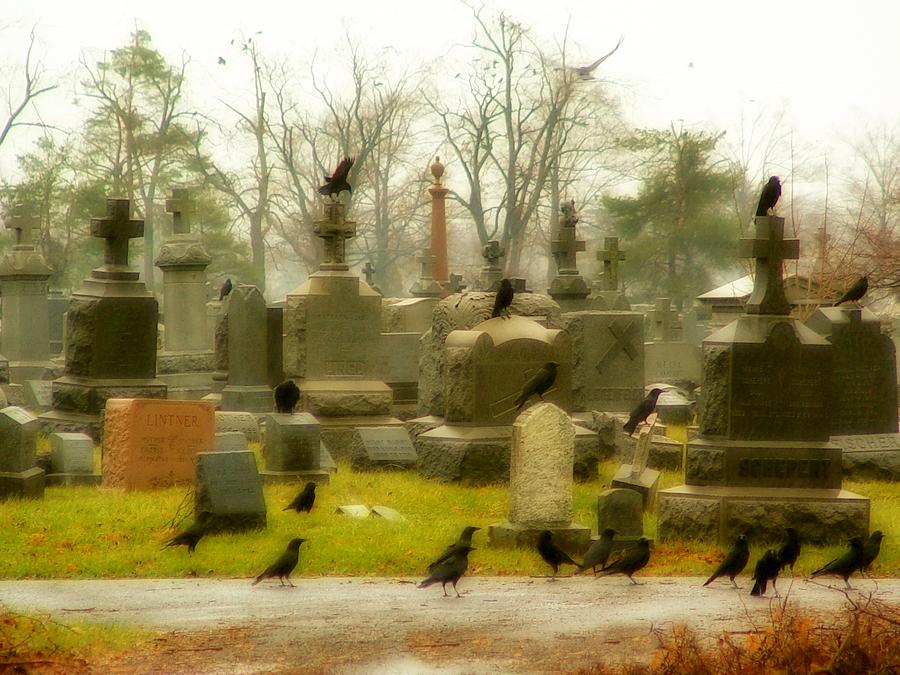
{"x":439,"y":225}
{"x":185,"y":363}
{"x":19,"y":477}
{"x":248,"y":364}
{"x":568,"y":287}
{"x":227,"y":486}
{"x":426,"y":286}
{"x":605,"y":293}
{"x":668,"y":358}
{"x":110,"y":333}
{"x":25,"y":339}
{"x":293,"y":449}
{"x":762,"y":461}
{"x":540,"y":482}
{"x":492,"y":271}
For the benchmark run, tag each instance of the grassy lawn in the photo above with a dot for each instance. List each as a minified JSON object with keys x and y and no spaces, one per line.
{"x":93,"y":532}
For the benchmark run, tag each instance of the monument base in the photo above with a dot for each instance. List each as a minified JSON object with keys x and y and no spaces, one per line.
{"x":187,"y":374}
{"x":255,"y":399}
{"x":88,"y":396}
{"x":64,"y":421}
{"x":318,"y":476}
{"x":480,"y":455}
{"x":345,"y":398}
{"x":572,"y":538}
{"x":72,"y":479}
{"x":717,"y":513}
{"x":23,"y":484}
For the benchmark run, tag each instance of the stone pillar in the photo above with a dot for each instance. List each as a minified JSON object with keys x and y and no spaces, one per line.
{"x":25,"y":339}
{"x":248,"y":363}
{"x":439,"y":225}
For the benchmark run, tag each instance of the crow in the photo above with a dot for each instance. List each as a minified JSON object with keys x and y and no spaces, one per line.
{"x":539,"y":383}
{"x":599,"y":552}
{"x":552,"y":554}
{"x":465,"y":540}
{"x":632,"y":560}
{"x":871,"y":549}
{"x":503,"y":299}
{"x":284,"y":565}
{"x":287,"y":394}
{"x":586,"y":72}
{"x":766,"y":568}
{"x":643,"y":410}
{"x":734,"y":562}
{"x":192,"y":535}
{"x":789,"y":550}
{"x":337,"y":182}
{"x":451,"y":569}
{"x":226,"y":289}
{"x":769,"y":196}
{"x":846,"y":564}
{"x":304,"y":500}
{"x":856,"y":292}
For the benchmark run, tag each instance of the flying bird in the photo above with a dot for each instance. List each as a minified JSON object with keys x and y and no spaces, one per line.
{"x":449,"y":570}
{"x":734,"y":562}
{"x":304,"y":500}
{"x":789,"y":550}
{"x":287,"y":395}
{"x":632,"y":560}
{"x":599,"y":552}
{"x":465,"y":540}
{"x":856,"y":292}
{"x":552,"y":554}
{"x":539,"y":383}
{"x":226,"y":289}
{"x":586,"y":72}
{"x":769,"y":196}
{"x":221,"y":61}
{"x":337,"y":182}
{"x":192,"y":535}
{"x":766,"y":568}
{"x":846,"y":564}
{"x":284,"y":565}
{"x":643,"y":410}
{"x":503,"y":299}
{"x":871,"y":549}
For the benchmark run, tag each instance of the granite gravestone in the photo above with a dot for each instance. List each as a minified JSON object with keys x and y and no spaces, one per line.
{"x":762,"y":461}
{"x":229,"y":489}
{"x":230,"y":441}
{"x":57,"y":306}
{"x":384,"y":447}
{"x":19,"y":477}
{"x":72,"y":460}
{"x":870,"y":456}
{"x":540,"y":482}
{"x":293,"y":448}
{"x":568,"y":287}
{"x":426,"y":286}
{"x":244,"y":422}
{"x":622,"y":510}
{"x":248,"y":366}
{"x":668,"y":358}
{"x":492,"y":271}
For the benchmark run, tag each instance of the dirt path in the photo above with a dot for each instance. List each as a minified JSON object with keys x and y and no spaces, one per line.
{"x":358,"y":625}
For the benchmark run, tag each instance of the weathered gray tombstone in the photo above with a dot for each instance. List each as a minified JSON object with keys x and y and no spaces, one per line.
{"x":870,"y":456}
{"x":605,"y":292}
{"x":293,"y":448}
{"x":540,"y":482}
{"x":72,"y":460}
{"x":353,"y":510}
{"x":385,"y":447}
{"x":387,"y":513}
{"x":57,"y":306}
{"x":19,"y":477}
{"x":247,"y":388}
{"x":229,"y":489}
{"x":38,"y":395}
{"x":568,"y":287}
{"x":110,"y":334}
{"x":762,"y":461}
{"x":636,"y":476}
{"x":244,"y":422}
{"x":400,"y":354}
{"x":622,"y":510}
{"x":862,"y":393}
{"x":230,"y":441}
{"x":668,"y":358}
{"x":426,"y":286}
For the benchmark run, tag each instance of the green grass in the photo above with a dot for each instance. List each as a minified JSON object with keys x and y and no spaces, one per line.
{"x":90,"y":532}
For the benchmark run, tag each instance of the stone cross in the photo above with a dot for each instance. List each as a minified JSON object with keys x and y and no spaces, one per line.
{"x":335,"y":230}
{"x":426,"y":262}
{"x":567,"y":245}
{"x":182,"y":208}
{"x":24,"y":222}
{"x":770,"y":249}
{"x":369,"y":272}
{"x":664,"y":319}
{"x":117,"y":228}
{"x":610,"y":256}
{"x":456,"y":284}
{"x":492,"y":252}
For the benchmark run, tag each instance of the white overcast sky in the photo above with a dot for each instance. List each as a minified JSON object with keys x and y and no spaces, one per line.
{"x":833,"y":66}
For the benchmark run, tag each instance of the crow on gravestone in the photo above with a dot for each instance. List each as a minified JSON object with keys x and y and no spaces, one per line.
{"x":450,"y":570}
{"x":465,"y":539}
{"x":769,"y":196}
{"x":734,"y":562}
{"x":287,"y":395}
{"x":642,"y":411}
{"x":846,"y":564}
{"x":633,"y":560}
{"x":226,"y":289}
{"x":552,"y":554}
{"x":539,"y":383}
{"x":766,"y":568}
{"x":503,"y":299}
{"x":337,"y":182}
{"x":304,"y":500}
{"x":284,"y":565}
{"x":192,"y":535}
{"x":856,"y":292}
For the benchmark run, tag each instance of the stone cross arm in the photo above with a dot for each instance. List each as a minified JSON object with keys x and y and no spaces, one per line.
{"x":117,"y":227}
{"x":770,"y":249}
{"x":24,"y":222}
{"x":182,"y":207}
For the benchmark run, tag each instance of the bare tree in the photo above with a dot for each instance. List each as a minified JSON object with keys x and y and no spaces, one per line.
{"x":32,"y":86}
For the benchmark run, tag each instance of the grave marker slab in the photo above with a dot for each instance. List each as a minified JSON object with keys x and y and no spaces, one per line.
{"x":388,"y":445}
{"x":230,"y":441}
{"x":19,"y":477}
{"x":870,"y":456}
{"x":388,"y":514}
{"x":622,"y":510}
{"x":245,"y":422}
{"x":71,"y":453}
{"x":326,"y":461}
{"x":636,"y":476}
{"x":229,"y":488}
{"x":38,"y":395}
{"x":293,"y":448}
{"x":353,"y":510}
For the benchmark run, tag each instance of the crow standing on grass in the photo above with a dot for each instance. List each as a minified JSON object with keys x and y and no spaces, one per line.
{"x":304,"y":500}
{"x":287,"y":395}
{"x":856,"y":292}
{"x":766,"y":568}
{"x":450,"y":570}
{"x":539,"y":383}
{"x":552,"y":554}
{"x":734,"y":562}
{"x":464,"y":541}
{"x":769,"y":196}
{"x":284,"y":565}
{"x":599,"y":552}
{"x":643,"y":410}
{"x":846,"y":564}
{"x":632,"y":560}
{"x":503,"y":299}
{"x":871,"y":549}
{"x":192,"y":535}
{"x":790,"y":550}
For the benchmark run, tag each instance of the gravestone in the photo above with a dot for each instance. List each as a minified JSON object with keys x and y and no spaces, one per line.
{"x":540,"y":482}
{"x":293,"y":448}
{"x":605,"y":291}
{"x":385,"y":447}
{"x":762,"y":461}
{"x":19,"y":477}
{"x":275,"y":344}
{"x":492,"y":271}
{"x":353,"y":510}
{"x":230,"y":441}
{"x":326,"y":461}
{"x":400,"y":366}
{"x":387,"y":513}
{"x":229,"y":489}
{"x":72,"y":460}
{"x":150,"y":443}
{"x":248,"y":366}
{"x":38,"y":395}
{"x":622,"y":510}
{"x":110,"y":335}
{"x":25,"y":338}
{"x":568,"y":287}
{"x":608,"y":354}
{"x":426,"y":286}
{"x":57,"y":306}
{"x":668,"y":358}
{"x":870,"y":456}
{"x":185,"y":363}
{"x":636,"y":476}
{"x":862,"y":393}
{"x":244,"y":422}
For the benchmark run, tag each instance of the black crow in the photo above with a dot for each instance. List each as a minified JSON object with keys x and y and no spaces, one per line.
{"x":503,"y":299}
{"x":846,"y":564}
{"x":465,"y":540}
{"x":599,"y":552}
{"x":284,"y":565}
{"x":337,"y":182}
{"x":643,"y":410}
{"x":586,"y":72}
{"x":226,"y":289}
{"x":451,"y":569}
{"x":871,"y":549}
{"x":734,"y":562}
{"x":766,"y":568}
{"x":552,"y":554}
{"x":789,"y":550}
{"x":191,"y":535}
{"x":539,"y":383}
{"x":304,"y":500}
{"x":287,"y":395}
{"x":769,"y":196}
{"x":632,"y":560}
{"x":856,"y":292}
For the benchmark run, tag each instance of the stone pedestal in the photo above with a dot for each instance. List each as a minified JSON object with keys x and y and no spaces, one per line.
{"x":248,"y":365}
{"x":293,"y":449}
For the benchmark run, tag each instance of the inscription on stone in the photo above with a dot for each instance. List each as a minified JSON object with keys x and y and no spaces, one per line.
{"x":389,"y":445}
{"x":228,"y":487}
{"x":868,"y":443}
{"x":770,"y":467}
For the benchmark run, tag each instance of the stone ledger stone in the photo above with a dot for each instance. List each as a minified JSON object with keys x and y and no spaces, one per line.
{"x":229,"y":488}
